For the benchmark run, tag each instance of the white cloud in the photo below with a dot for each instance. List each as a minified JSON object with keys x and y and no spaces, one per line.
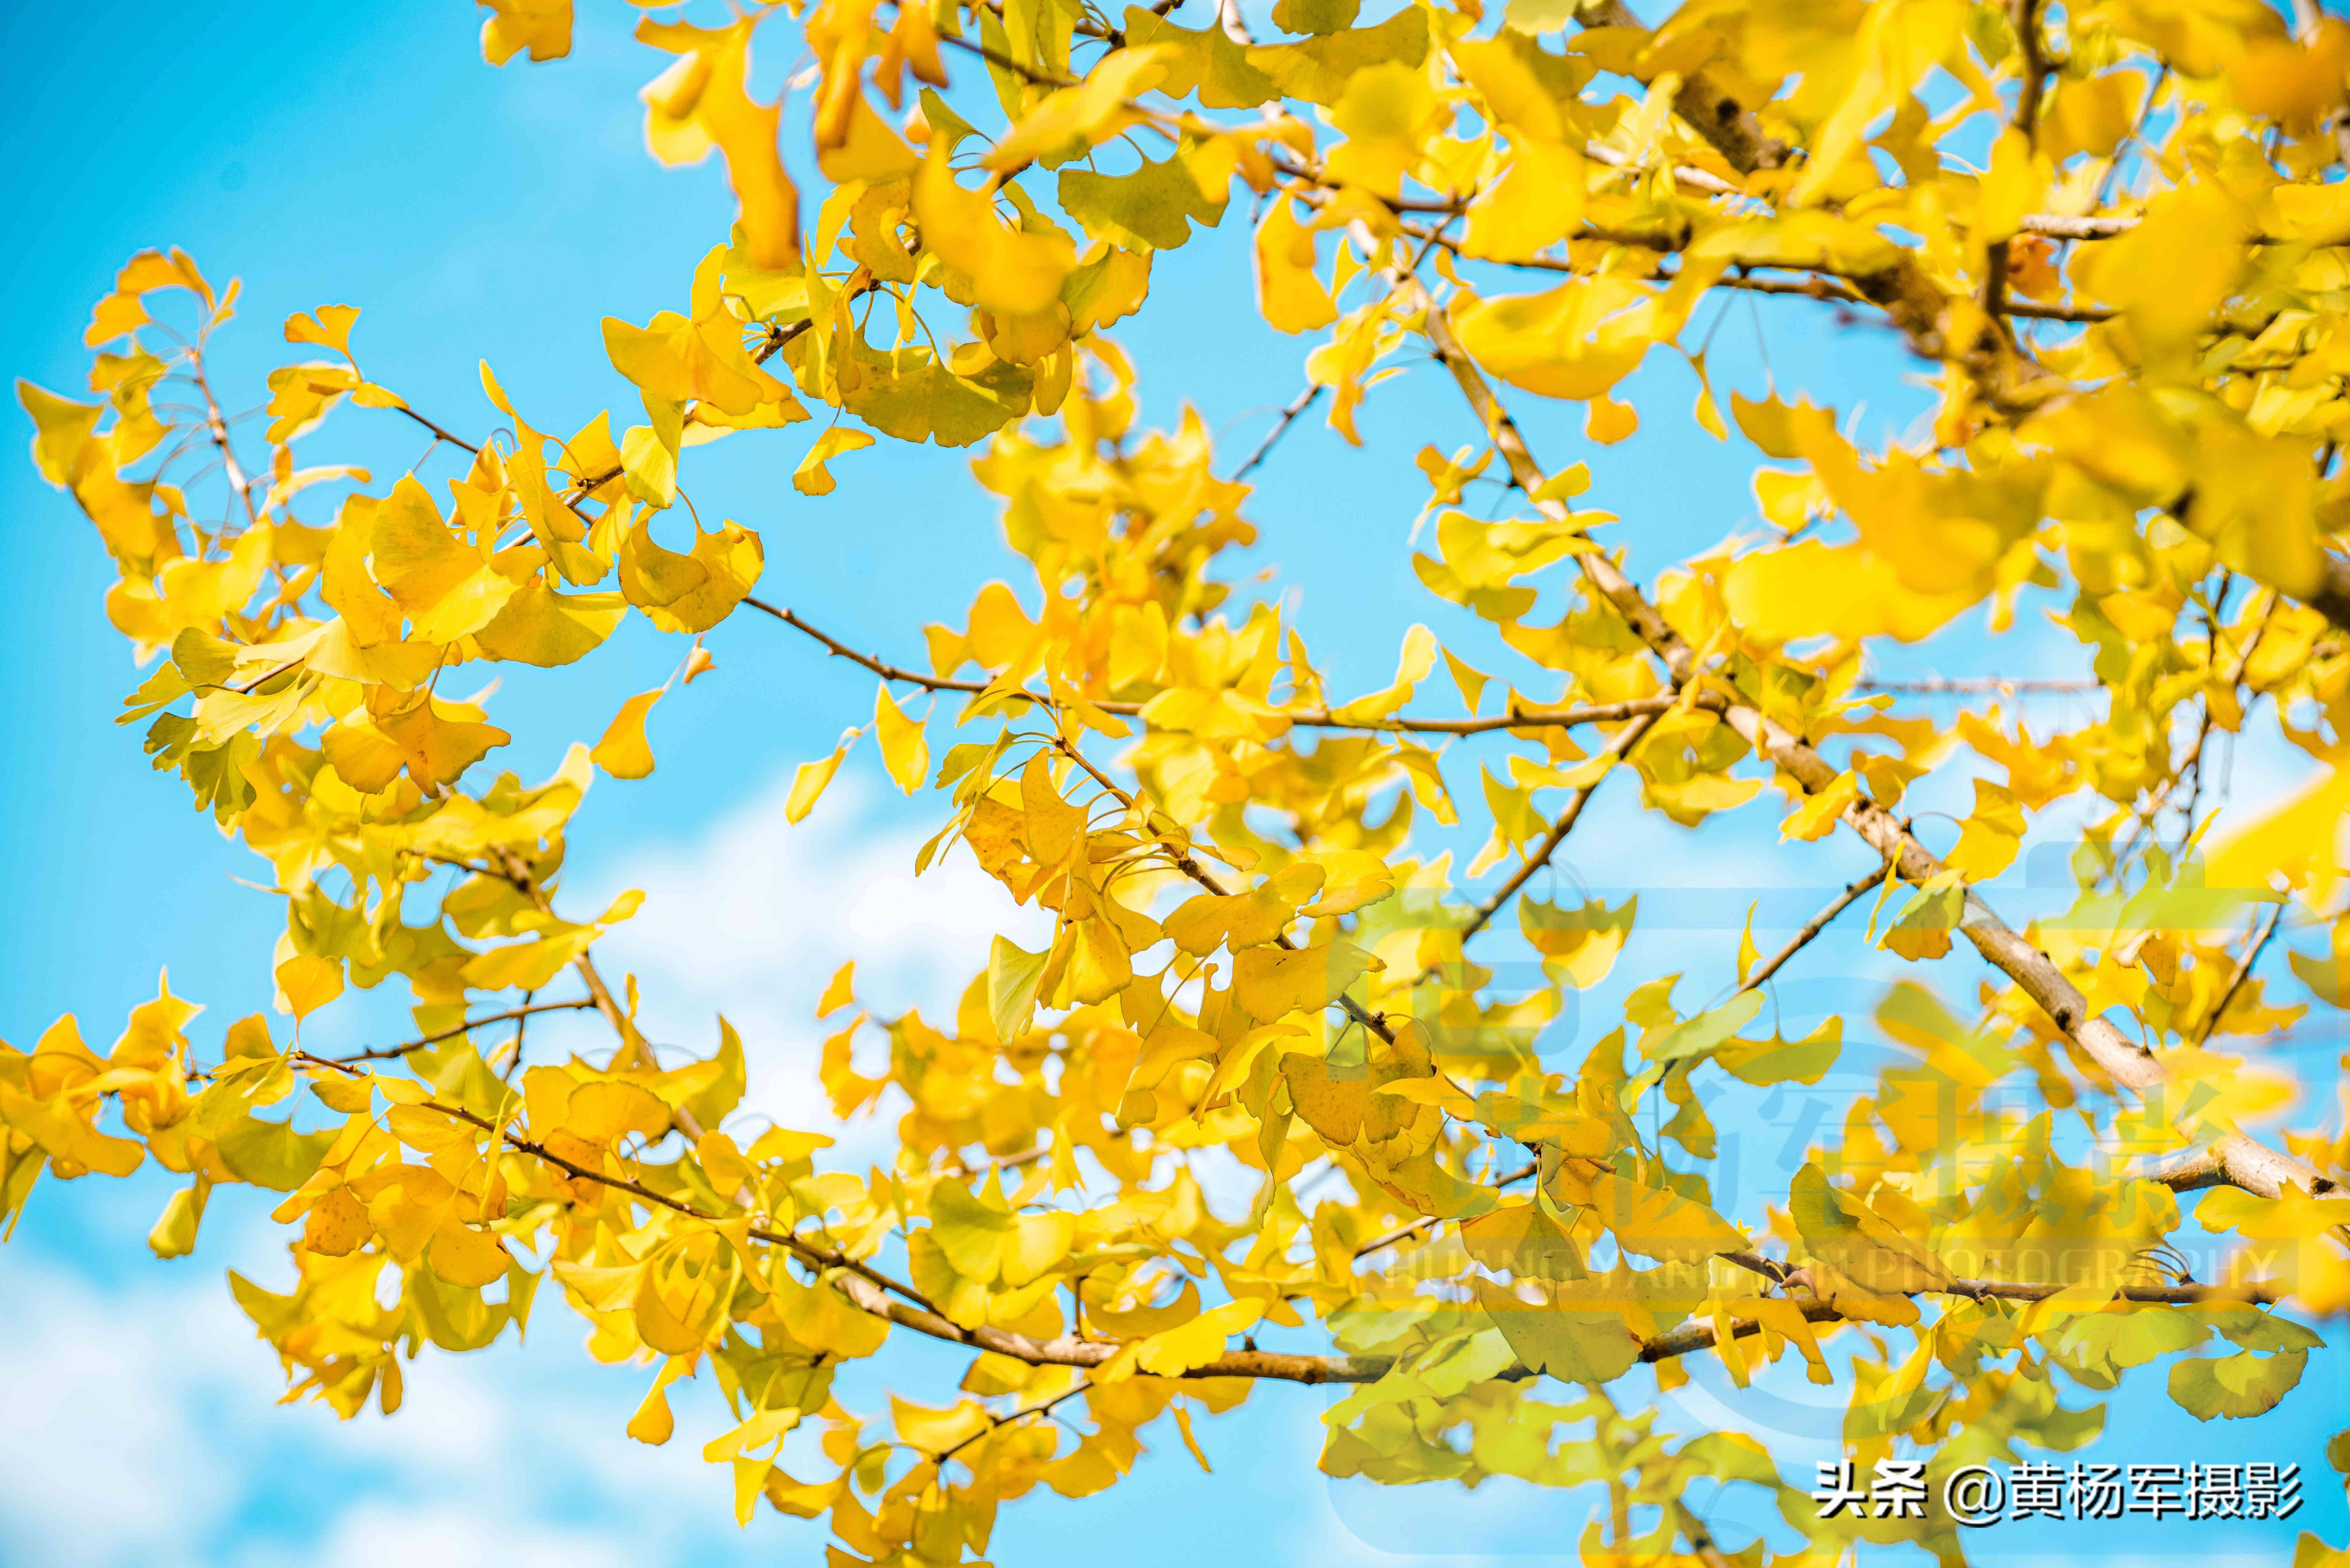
{"x":377,"y":1535}
{"x":105,"y":1462}
{"x":751,"y":919}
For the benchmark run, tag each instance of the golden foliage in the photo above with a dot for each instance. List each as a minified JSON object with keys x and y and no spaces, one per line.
{"x":2115,"y":237}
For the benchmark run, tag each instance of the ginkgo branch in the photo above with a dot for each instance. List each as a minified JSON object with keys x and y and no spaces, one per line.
{"x":1517,"y":718}
{"x":1297,"y":405}
{"x":1813,"y":927}
{"x":387,"y":1052}
{"x":1183,"y":861}
{"x":2025,"y":17}
{"x":1043,"y":1407}
{"x":2249,"y":1163}
{"x":1618,"y":745}
{"x":810,"y":1251}
{"x":217,"y":428}
{"x":2242,"y":972}
{"x":1426,"y":1221}
{"x":440,"y":430}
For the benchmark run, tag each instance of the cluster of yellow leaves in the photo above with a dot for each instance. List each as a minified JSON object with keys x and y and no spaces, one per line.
{"x":2136,"y":308}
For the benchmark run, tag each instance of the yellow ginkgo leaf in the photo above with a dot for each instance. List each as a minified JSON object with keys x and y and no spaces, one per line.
{"x":447,"y":589}
{"x":1289,"y":296}
{"x":812,"y":477}
{"x":623,"y":751}
{"x":691,"y":592}
{"x":1010,"y":269}
{"x":542,"y":27}
{"x":903,"y":751}
{"x":307,"y":981}
{"x":808,"y":781}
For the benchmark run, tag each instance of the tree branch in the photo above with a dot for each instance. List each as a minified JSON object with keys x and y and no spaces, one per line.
{"x":1618,"y":744}
{"x":386,"y":1052}
{"x":1298,"y":405}
{"x":1406,"y":1232}
{"x":1709,"y":107}
{"x":1184,"y":862}
{"x":2243,"y":971}
{"x":1315,"y":719}
{"x":2025,"y":17}
{"x":437,"y":429}
{"x":2249,"y":1163}
{"x":1815,"y":926}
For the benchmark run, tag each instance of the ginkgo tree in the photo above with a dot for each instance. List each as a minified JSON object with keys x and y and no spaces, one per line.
{"x":2113,"y":234}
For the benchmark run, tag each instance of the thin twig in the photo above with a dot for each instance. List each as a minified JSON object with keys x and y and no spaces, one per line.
{"x":814,"y":1252}
{"x":2248,"y":1162}
{"x":1406,"y":1232}
{"x":1315,"y":719}
{"x":2024,"y":15}
{"x":1298,"y":405}
{"x":1813,"y":927}
{"x":386,"y":1052}
{"x":2243,"y":972}
{"x":217,"y":428}
{"x":1184,"y":862}
{"x":265,"y":678}
{"x":1622,"y":742}
{"x":1046,"y":1407}
{"x":437,"y":429}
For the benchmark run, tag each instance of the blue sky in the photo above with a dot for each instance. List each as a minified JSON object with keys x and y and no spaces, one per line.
{"x":364,"y":154}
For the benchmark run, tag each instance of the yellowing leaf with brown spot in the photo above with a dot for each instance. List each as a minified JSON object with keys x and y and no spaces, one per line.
{"x":337,"y":1224}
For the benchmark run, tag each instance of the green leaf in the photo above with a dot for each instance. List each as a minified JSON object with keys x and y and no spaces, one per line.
{"x":1013,"y":974}
{"x":2097,"y":1348}
{"x":1702,"y":1034}
{"x":970,"y":1232}
{"x":1152,"y":208}
{"x":2252,"y":1329}
{"x":1574,"y":1345}
{"x":272,"y":1154}
{"x":1780,"y":1060}
{"x":2235,"y":1386}
{"x":1315,"y":16}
